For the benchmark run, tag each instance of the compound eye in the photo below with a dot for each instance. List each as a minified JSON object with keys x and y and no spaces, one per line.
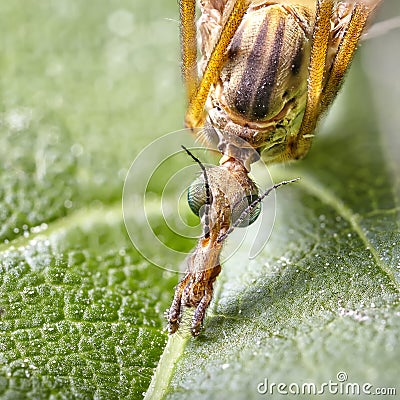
{"x":240,"y":206}
{"x":197,"y":195}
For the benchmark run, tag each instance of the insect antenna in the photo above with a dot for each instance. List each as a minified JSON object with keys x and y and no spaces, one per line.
{"x":247,"y":210}
{"x":207,"y":205}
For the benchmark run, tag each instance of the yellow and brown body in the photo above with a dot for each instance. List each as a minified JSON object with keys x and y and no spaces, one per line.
{"x":229,"y":184}
{"x":278,"y":73}
{"x":268,"y":71}
{"x":261,"y":93}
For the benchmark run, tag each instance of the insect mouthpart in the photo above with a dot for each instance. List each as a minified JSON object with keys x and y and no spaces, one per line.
{"x":224,"y":197}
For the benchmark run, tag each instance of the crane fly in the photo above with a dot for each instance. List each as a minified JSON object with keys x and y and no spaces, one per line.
{"x":266,"y":72}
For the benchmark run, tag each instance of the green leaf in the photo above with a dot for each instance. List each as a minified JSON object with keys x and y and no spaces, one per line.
{"x":84,"y":86}
{"x":77,"y":317}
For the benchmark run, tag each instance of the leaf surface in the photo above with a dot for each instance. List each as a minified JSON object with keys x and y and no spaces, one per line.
{"x":81,"y":311}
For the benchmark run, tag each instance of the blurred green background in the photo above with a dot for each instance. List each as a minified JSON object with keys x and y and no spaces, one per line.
{"x":84,"y":86}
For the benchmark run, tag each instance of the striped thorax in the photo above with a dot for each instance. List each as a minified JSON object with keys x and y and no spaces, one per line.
{"x":262,"y":90}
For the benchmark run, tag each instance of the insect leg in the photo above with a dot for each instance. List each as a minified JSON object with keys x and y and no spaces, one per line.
{"x":195,"y":113}
{"x":299,"y":144}
{"x":174,"y":313}
{"x":200,"y":312}
{"x":302,"y":142}
{"x":346,"y":51}
{"x":188,"y":45}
